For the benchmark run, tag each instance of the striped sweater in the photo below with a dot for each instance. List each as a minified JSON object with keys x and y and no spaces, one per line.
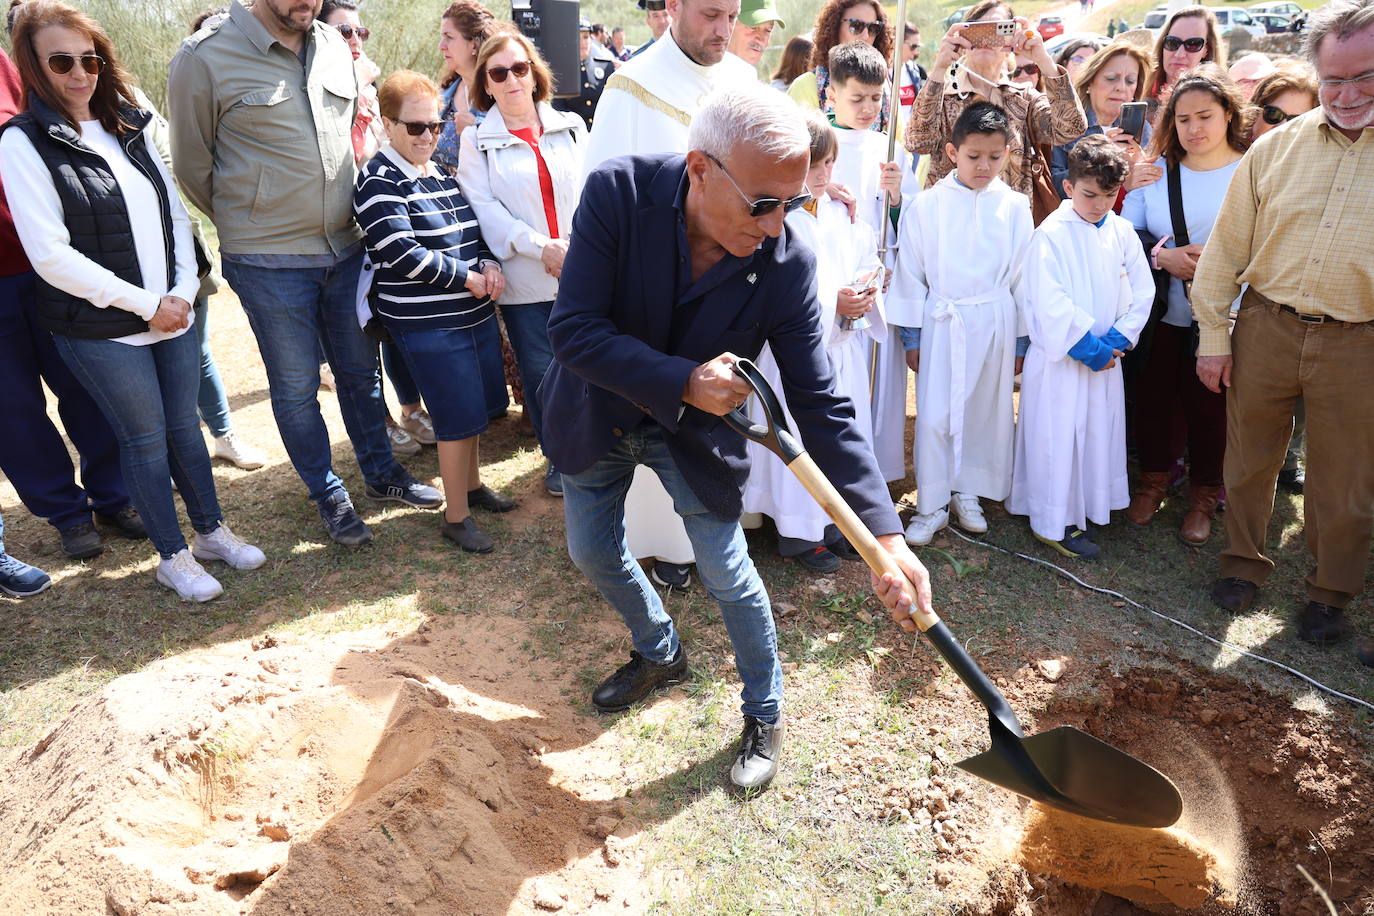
{"x":423,"y":238}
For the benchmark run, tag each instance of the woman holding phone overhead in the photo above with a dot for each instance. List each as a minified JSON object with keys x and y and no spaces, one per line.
{"x":967,"y":71}
{"x":1199,"y":143}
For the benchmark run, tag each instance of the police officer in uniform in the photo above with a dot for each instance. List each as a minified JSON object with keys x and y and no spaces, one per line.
{"x":656,"y":17}
{"x":597,"y":66}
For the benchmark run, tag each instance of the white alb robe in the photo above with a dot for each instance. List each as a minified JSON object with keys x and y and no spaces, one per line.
{"x":843,"y":252}
{"x":1070,"y":464}
{"x":646,"y":108}
{"x":958,"y":279}
{"x":858,"y":167}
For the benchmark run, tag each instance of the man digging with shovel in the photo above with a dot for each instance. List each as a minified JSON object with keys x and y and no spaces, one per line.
{"x":700,"y":274}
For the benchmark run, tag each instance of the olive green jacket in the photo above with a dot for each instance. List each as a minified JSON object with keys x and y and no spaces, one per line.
{"x":262,"y":144}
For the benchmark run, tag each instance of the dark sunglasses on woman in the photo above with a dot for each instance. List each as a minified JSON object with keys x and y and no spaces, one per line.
{"x":521,"y":69}
{"x":1273,"y":114}
{"x":859,"y":26}
{"x":62,"y":63}
{"x":1028,"y":69}
{"x":415,"y":128}
{"x":348,"y":31}
{"x":1191,"y":45}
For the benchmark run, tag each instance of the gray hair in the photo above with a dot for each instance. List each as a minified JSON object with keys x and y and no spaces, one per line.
{"x":751,"y":114}
{"x":1341,"y":18}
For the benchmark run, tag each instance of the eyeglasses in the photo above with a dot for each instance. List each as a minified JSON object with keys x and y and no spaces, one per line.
{"x":1273,"y":114}
{"x":521,"y":69}
{"x":859,"y":26}
{"x":62,"y":64}
{"x":1191,"y":45}
{"x":348,"y":31}
{"x":1028,"y":69}
{"x":415,"y":128}
{"x":764,"y":205}
{"x":1363,"y":81}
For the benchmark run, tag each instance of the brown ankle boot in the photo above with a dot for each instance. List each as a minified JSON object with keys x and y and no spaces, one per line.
{"x":1197,"y":523}
{"x":1148,"y":496}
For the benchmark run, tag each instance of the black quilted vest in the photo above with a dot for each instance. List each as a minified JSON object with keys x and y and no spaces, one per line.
{"x":96,"y":216}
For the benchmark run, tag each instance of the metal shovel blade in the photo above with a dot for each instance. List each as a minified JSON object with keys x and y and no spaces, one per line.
{"x":1081,"y":775}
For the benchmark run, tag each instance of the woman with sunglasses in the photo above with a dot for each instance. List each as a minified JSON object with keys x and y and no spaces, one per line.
{"x":521,"y":170}
{"x":434,"y":286}
{"x":1199,"y":142}
{"x":1281,"y":96}
{"x":962,"y":75}
{"x":1190,"y":38}
{"x":110,"y":240}
{"x":840,"y":22}
{"x":368,"y":135}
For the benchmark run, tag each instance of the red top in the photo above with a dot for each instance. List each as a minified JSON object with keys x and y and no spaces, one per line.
{"x":545,"y":179}
{"x":12,"y":259}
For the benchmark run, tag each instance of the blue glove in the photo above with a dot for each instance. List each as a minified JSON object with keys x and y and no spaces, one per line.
{"x":1091,"y":352}
{"x":1116,"y":340}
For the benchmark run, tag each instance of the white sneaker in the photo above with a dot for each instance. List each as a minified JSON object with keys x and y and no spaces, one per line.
{"x":968,"y":513}
{"x":921,"y":529}
{"x":238,"y":453}
{"x":403,"y":445}
{"x":183,"y":575}
{"x":327,"y":382}
{"x":223,"y":544}
{"x":419,"y":425}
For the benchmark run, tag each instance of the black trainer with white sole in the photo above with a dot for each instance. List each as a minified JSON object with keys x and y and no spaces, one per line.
{"x":406,"y":489}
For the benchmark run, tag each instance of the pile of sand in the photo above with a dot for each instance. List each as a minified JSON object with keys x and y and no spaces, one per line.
{"x":349,"y":774}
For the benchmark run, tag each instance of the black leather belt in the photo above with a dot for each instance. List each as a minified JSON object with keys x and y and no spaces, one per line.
{"x":1308,"y":317}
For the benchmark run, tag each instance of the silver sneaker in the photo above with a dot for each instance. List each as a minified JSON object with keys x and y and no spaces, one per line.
{"x":419,"y":425}
{"x":223,"y":544}
{"x":760,"y":745}
{"x":403,"y":444}
{"x":183,"y":575}
{"x":239,"y":453}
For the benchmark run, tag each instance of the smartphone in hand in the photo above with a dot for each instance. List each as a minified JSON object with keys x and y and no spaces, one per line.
{"x":1132,"y":119}
{"x":997,"y":33}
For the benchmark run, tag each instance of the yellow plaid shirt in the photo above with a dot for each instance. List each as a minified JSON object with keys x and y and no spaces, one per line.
{"x":1297,"y":225}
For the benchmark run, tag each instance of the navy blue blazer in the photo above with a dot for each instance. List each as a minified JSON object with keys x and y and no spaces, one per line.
{"x":613,"y":362}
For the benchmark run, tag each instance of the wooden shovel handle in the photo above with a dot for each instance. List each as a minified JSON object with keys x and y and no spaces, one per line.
{"x":878,"y":559}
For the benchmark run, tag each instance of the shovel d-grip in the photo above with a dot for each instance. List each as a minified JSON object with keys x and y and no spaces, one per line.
{"x":1064,"y":768}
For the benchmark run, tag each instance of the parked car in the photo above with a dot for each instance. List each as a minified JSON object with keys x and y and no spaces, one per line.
{"x":1059,"y":42}
{"x":1050,"y":26}
{"x":956,"y":16}
{"x":1231,"y":19}
{"x":1282,"y":7}
{"x":1273,"y":22}
{"x":1155,"y":19}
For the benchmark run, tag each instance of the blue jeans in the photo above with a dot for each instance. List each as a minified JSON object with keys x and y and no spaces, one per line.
{"x":32,"y":453}
{"x":402,"y":381}
{"x":294,"y":312}
{"x":528,"y":328}
{"x":148,"y":395}
{"x":594,"y":508}
{"x":211,"y":400}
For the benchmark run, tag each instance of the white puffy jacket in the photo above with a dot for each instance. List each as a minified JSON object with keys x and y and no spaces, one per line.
{"x":500,"y":179}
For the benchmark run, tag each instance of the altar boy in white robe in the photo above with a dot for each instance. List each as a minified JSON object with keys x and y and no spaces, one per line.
{"x":955,"y":298}
{"x":858,"y":75}
{"x":1088,"y":294}
{"x":848,"y":277}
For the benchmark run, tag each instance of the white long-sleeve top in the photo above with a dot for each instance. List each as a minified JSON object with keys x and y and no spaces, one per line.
{"x":500,"y":179}
{"x":42,"y":228}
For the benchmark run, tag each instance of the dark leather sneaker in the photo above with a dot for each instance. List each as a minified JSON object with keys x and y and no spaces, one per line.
{"x":553,"y":482}
{"x":126,"y":522}
{"x":637,"y":679}
{"x":844,"y":550}
{"x":672,"y":576}
{"x":1293,"y":479}
{"x":1321,"y":624}
{"x":1234,"y":594}
{"x":760,"y":745}
{"x":403,"y":488}
{"x":484,"y":497}
{"x":342,"y":522}
{"x":81,"y":541}
{"x":467,"y":535}
{"x":819,"y":560}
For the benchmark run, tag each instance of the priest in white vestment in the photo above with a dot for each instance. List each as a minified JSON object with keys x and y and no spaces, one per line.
{"x":646,"y":108}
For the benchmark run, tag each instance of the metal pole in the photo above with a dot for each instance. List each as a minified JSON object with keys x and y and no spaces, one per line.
{"x":894,"y":114}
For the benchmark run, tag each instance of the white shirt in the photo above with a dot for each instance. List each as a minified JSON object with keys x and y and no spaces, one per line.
{"x":42,"y":228}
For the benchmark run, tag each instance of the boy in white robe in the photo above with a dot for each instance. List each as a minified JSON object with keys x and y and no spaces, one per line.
{"x":858,"y":75}
{"x":1088,"y":293}
{"x":843,"y":251}
{"x":956,"y":301}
